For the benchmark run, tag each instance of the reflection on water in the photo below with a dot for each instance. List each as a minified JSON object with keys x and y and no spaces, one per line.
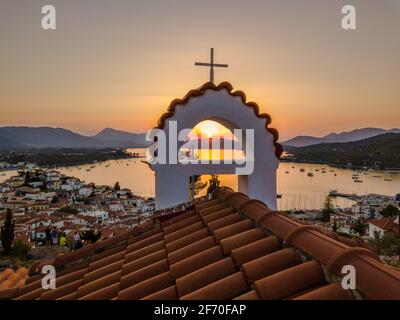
{"x":297,"y":188}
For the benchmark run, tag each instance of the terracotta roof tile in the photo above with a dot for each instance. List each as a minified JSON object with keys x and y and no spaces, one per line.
{"x":103,"y":271}
{"x":333,"y":291}
{"x":74,"y":255}
{"x":7,"y":294}
{"x":71,"y":296}
{"x":236,"y":200}
{"x":206,"y":211}
{"x":233,"y":229}
{"x":385,"y":282}
{"x":156,"y":230}
{"x":196,"y":262}
{"x":255,"y":210}
{"x":147,"y":287}
{"x":204,"y":276}
{"x":315,"y":243}
{"x":223,"y":222}
{"x":269,"y":264}
{"x":136,"y":265}
{"x":165,"y":294}
{"x":106,"y":261}
{"x":31,"y":295}
{"x":255,"y":250}
{"x":191,"y":249}
{"x":144,"y":261}
{"x":183,"y":232}
{"x":140,"y":253}
{"x":178,"y":218}
{"x":145,"y":242}
{"x":98,"y":284}
{"x":251,"y":295}
{"x":103,"y":294}
{"x":218,"y":214}
{"x":108,"y":252}
{"x":207,"y":204}
{"x":181,"y":224}
{"x":144,"y":273}
{"x":186,"y":240}
{"x":222,"y":192}
{"x":61,"y":291}
{"x":289,"y":281}
{"x":223,"y":289}
{"x":241,"y":239}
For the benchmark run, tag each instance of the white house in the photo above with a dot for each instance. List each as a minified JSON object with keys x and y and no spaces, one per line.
{"x":85,"y":191}
{"x":383,"y":226}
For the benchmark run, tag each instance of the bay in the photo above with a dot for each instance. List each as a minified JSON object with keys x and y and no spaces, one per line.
{"x":298,"y":190}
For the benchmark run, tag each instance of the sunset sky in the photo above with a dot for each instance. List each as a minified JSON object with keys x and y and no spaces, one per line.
{"x":119,"y":63}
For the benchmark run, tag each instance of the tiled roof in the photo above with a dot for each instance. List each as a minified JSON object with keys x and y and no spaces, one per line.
{"x":229,"y":247}
{"x":387,"y":224}
{"x":11,"y":281}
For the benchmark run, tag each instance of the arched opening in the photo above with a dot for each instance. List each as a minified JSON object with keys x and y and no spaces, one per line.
{"x":213,"y":141}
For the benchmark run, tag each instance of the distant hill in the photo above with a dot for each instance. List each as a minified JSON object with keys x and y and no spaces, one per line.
{"x":354,"y":135}
{"x":6,"y":143}
{"x":382,"y":149}
{"x":46,"y":137}
{"x":114,"y":137}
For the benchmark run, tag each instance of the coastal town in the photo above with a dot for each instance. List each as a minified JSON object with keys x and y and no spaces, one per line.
{"x":43,"y":199}
{"x":40,"y":199}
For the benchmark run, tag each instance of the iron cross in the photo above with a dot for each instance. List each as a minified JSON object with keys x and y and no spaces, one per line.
{"x":211,"y":65}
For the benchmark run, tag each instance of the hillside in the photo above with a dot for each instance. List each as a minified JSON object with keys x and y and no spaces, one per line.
{"x":383,"y":149}
{"x":112,"y":137}
{"x":46,"y":137}
{"x":354,"y":135}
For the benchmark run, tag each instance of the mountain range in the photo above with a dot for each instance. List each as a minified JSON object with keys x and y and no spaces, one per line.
{"x":382,"y":150}
{"x":354,"y":135}
{"x":46,"y":137}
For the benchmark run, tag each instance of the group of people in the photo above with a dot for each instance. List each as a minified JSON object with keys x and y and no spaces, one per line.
{"x":54,"y":237}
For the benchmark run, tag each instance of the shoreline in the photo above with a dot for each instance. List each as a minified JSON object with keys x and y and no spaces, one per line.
{"x":343,"y":166}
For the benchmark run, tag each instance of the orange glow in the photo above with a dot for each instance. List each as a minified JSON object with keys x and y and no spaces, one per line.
{"x":209,"y":129}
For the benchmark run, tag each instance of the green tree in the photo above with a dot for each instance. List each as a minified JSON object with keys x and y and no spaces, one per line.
{"x":359,"y":226}
{"x":91,"y":235}
{"x":68,"y":209}
{"x":27,"y":178}
{"x":334,"y":227}
{"x":196,"y":185}
{"x":7,"y":232}
{"x":213,"y":183}
{"x":117,"y":186}
{"x":376,"y":243}
{"x":327,"y":210}
{"x":20,"y":249}
{"x":390,"y":211}
{"x":55,"y":199}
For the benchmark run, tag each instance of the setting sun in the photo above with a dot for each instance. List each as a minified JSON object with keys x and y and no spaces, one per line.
{"x":209,"y":129}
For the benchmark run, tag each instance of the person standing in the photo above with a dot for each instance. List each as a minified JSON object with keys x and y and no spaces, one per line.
{"x":48,"y":236}
{"x":77,"y":241}
{"x":54,"y":236}
{"x":63,"y":240}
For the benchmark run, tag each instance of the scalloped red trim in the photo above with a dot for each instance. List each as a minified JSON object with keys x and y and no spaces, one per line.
{"x":223,"y":85}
